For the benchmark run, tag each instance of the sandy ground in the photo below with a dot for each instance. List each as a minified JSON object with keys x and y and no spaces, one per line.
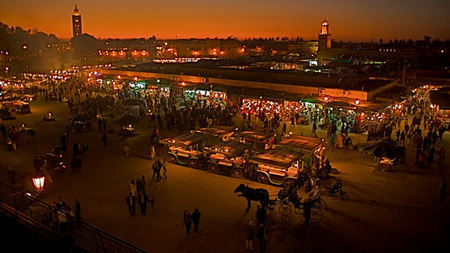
{"x":387,"y":212}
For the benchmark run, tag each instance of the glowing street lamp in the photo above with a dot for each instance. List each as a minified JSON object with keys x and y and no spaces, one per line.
{"x":325,"y":99}
{"x":357,"y":101}
{"x":38,"y":182}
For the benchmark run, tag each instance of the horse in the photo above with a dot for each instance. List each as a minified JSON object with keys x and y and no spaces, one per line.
{"x":261,"y":195}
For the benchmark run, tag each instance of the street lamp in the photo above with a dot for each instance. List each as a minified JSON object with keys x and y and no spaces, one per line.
{"x":357,"y":101}
{"x":38,"y":182}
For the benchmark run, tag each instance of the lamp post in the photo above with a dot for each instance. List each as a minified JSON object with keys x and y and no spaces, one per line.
{"x":38,"y":182}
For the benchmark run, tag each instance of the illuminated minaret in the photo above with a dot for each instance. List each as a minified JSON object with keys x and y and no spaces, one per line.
{"x":324,"y":37}
{"x":76,"y":22}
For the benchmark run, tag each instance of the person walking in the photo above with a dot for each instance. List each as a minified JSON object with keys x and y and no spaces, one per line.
{"x":196,"y":219}
{"x":143,"y":200}
{"x":131,"y":203}
{"x":154,"y":168}
{"x":133,"y":188}
{"x":158,"y":170}
{"x":250,"y":236}
{"x":261,"y":235}
{"x":187,"y":222}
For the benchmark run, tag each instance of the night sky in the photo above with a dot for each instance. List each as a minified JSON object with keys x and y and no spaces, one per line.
{"x":349,"y":19}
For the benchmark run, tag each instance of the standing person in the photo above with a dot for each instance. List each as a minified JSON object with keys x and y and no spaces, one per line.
{"x":77,"y":211}
{"x":421,"y":160}
{"x":126,"y":149}
{"x":131,"y":203}
{"x":442,"y":191}
{"x":158,"y":171}
{"x":402,"y":138}
{"x":164,"y":167}
{"x":261,"y":234}
{"x":152,"y":152}
{"x":196,"y":219}
{"x":187,"y":222}
{"x":261,"y":215}
{"x":104,"y":139}
{"x":143,"y":183}
{"x":314,"y":128}
{"x":307,"y":205}
{"x":250,"y":236}
{"x":431,"y":155}
{"x":99,"y":123}
{"x":143,"y":200}
{"x":138,"y":185}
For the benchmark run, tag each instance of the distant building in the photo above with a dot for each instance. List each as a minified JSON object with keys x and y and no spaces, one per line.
{"x":76,"y":22}
{"x":202,"y":48}
{"x":324,"y":37}
{"x":305,"y":48}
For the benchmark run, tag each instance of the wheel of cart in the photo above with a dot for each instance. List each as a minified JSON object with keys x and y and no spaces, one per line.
{"x":285,"y":210}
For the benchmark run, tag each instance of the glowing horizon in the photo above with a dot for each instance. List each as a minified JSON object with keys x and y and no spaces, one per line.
{"x":354,"y":20}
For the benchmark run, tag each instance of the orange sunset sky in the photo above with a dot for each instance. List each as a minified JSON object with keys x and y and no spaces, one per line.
{"x":349,"y":19}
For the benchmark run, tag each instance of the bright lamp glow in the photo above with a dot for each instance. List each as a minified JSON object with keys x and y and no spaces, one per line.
{"x":38,"y":182}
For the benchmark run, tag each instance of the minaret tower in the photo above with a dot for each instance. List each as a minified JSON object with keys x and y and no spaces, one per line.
{"x":76,"y":22}
{"x":324,"y":36}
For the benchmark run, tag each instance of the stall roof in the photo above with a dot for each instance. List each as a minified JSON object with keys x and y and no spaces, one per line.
{"x":441,"y":97}
{"x":252,"y":135}
{"x":303,"y":142}
{"x":186,"y":139}
{"x":282,"y":158}
{"x":216,"y":131}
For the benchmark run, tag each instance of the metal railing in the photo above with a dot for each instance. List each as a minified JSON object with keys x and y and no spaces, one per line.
{"x":18,"y":203}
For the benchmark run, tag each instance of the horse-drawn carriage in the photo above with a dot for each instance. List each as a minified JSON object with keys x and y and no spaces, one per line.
{"x":186,"y":149}
{"x":286,"y":200}
{"x":227,"y":157}
{"x":276,"y":166}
